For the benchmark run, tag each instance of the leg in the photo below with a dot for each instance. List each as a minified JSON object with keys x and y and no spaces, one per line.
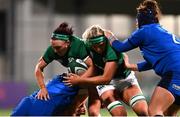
{"x":109,"y":97}
{"x":161,"y":100}
{"x":172,"y":110}
{"x":81,"y":110}
{"x":94,"y":103}
{"x":79,"y":100}
{"x":114,"y":106}
{"x":134,"y":97}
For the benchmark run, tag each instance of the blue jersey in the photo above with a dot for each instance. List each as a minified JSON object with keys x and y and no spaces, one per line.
{"x":61,"y":96}
{"x":160,"y":48}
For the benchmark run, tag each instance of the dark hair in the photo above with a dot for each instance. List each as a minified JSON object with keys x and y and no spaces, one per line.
{"x":148,"y":12}
{"x":64,"y":29}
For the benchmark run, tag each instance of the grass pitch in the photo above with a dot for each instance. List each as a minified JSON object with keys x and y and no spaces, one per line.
{"x":104,"y":112}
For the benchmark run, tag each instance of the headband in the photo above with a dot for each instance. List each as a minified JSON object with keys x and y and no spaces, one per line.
{"x":95,"y":40}
{"x":60,"y":36}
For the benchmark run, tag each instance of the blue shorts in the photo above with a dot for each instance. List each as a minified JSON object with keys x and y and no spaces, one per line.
{"x":171,"y":82}
{"x":60,"y":97}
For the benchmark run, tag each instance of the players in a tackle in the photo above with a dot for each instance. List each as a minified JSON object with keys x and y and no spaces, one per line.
{"x":55,"y":98}
{"x":123,"y":83}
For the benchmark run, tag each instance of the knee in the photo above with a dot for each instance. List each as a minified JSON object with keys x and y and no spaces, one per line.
{"x":113,"y":105}
{"x":107,"y":99}
{"x":139,"y":105}
{"x":142,"y":112}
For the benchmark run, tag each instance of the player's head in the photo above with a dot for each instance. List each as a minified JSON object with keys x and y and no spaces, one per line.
{"x":148,"y":12}
{"x":60,"y":39}
{"x":95,"y":39}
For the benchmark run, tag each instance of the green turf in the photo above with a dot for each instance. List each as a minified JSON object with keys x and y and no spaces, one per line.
{"x":5,"y":112}
{"x":104,"y":112}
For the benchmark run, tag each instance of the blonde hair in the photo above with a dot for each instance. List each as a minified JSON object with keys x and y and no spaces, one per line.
{"x":93,"y":31}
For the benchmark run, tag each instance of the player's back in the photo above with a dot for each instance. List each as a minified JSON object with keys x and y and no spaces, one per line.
{"x":160,"y":47}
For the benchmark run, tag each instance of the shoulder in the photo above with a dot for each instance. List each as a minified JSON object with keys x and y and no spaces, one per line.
{"x":138,"y":31}
{"x":148,"y":27}
{"x":49,"y":49}
{"x":141,"y":32}
{"x":49,"y":54}
{"x":111,"y":54}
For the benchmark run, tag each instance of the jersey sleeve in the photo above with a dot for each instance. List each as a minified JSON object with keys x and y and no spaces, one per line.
{"x":144,"y":65}
{"x":132,"y":42}
{"x":49,"y":55}
{"x":111,"y":55}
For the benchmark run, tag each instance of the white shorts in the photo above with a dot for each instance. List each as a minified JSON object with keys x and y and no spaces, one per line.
{"x":117,"y":84}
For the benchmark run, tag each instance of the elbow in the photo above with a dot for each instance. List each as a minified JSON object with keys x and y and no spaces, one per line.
{"x":37,"y":71}
{"x":107,"y":81}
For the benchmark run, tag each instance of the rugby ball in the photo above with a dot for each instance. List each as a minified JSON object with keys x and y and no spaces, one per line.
{"x":77,"y":66}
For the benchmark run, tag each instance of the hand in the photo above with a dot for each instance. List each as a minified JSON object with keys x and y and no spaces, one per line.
{"x":110,"y":36}
{"x":43,"y":94}
{"x":81,"y":110}
{"x":126,"y":60}
{"x":128,"y":65}
{"x":71,"y":80}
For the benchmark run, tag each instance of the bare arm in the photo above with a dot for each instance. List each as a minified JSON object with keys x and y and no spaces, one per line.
{"x":82,"y":94}
{"x":91,"y":68}
{"x":43,"y":94}
{"x":105,"y":78}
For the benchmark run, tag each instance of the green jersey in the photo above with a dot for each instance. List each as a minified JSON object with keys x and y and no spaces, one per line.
{"x":77,"y":50}
{"x":110,"y":55}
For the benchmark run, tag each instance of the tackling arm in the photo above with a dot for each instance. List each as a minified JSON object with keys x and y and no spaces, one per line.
{"x":105,"y":78}
{"x":43,"y":94}
{"x":39,"y":73}
{"x":141,"y":66}
{"x":91,"y":68}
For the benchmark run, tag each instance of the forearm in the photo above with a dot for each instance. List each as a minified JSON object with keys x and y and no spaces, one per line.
{"x":122,"y":46}
{"x":97,"y":80}
{"x":40,"y":78}
{"x":130,"y":43}
{"x":109,"y":71}
{"x":143,"y":66}
{"x":89,"y":73}
{"x":39,"y":73}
